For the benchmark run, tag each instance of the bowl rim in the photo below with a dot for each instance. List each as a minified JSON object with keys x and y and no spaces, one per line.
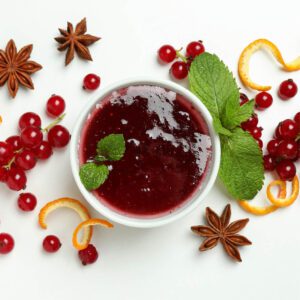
{"x":195,"y":199}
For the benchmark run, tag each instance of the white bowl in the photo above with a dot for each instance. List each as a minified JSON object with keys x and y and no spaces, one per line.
{"x":196,"y":197}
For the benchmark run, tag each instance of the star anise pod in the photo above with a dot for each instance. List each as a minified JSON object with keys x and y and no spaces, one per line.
{"x":219,"y":229}
{"x":76,"y":41}
{"x":15,"y":68}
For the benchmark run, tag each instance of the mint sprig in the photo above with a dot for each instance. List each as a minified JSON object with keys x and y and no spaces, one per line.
{"x":241,"y":168}
{"x":110,"y":148}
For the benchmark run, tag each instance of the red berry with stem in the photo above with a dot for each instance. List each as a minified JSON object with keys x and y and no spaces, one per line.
{"x":287,"y":89}
{"x":7,"y":243}
{"x":25,"y":159}
{"x":88,"y":255}
{"x":31,"y":137}
{"x":91,"y":82}
{"x":51,"y":243}
{"x":6,"y":153}
{"x":29,"y":119}
{"x":288,"y":129}
{"x":58,"y":136}
{"x":286,"y":170}
{"x":194,"y":49}
{"x":256,"y":132}
{"x":297,"y":120}
{"x":15,"y":142}
{"x":243,"y":99}
{"x":263,"y":100}
{"x":167,"y":53}
{"x":272,"y":147}
{"x":27,"y":201}
{"x":250,"y":123}
{"x":43,"y":151}
{"x":179,"y":70}
{"x":269,"y":163}
{"x":16,"y":179}
{"x":287,"y":149}
{"x":55,"y":106}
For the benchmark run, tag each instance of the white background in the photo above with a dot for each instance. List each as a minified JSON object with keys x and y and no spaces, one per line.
{"x":161,"y":263}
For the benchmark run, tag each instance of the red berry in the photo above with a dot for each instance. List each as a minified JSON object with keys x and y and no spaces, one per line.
{"x":6,"y":243}
{"x":288,"y":129}
{"x":51,"y":243}
{"x":269,"y":163}
{"x":277,"y":133}
{"x":3,"y":174}
{"x":286,"y":170}
{"x":287,"y":89}
{"x":250,"y":123}
{"x":179,"y":70}
{"x":297,"y":120}
{"x":43,"y":151}
{"x":29,"y":119}
{"x":167,"y":53}
{"x":27,"y":201}
{"x":260,"y":143}
{"x":263,"y":100}
{"x":272,"y":147}
{"x":25,"y":160}
{"x":243,"y":99}
{"x":6,"y":153}
{"x":31,"y":137}
{"x":287,"y":149}
{"x":58,"y":136}
{"x":88,"y":255}
{"x":16,"y":179}
{"x":194,"y":49}
{"x":15,"y":142}
{"x":55,"y":106}
{"x":91,"y":82}
{"x":256,"y":132}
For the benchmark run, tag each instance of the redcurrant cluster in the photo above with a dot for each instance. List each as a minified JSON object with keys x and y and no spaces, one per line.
{"x":180,"y":68}
{"x":284,"y":148}
{"x":19,"y":153}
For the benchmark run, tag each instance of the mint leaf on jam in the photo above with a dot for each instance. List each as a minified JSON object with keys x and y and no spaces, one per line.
{"x":92,"y":175}
{"x":110,"y":148}
{"x":241,"y":168}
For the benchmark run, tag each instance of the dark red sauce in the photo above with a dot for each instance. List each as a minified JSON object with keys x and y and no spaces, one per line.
{"x":167,"y":154}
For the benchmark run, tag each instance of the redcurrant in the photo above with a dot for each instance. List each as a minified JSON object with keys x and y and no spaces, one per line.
{"x":287,"y":89}
{"x":31,"y":137}
{"x":250,"y":123}
{"x":27,"y":201}
{"x":55,"y":106}
{"x":243,"y":99}
{"x":6,"y":243}
{"x":269,"y":163}
{"x":91,"y":82}
{"x":272,"y":147}
{"x":263,"y":100}
{"x":167,"y":53}
{"x":25,"y":159}
{"x":58,"y":136}
{"x":29,"y":119}
{"x":88,"y":255}
{"x":6,"y":153}
{"x":51,"y":243}
{"x":287,"y":149}
{"x":179,"y":70}
{"x":43,"y":151}
{"x":286,"y":170}
{"x":15,"y":142}
{"x":16,"y":179}
{"x":194,"y":49}
{"x":288,"y":129}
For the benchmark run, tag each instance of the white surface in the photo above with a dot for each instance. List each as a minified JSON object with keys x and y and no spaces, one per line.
{"x":197,"y":197}
{"x":161,"y":263}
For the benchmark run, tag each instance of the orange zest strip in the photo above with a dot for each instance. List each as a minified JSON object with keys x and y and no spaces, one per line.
{"x":264,"y":210}
{"x":88,"y":224}
{"x":244,"y":60}
{"x":72,"y":204}
{"x":283,"y":201}
{"x":0,"y":120}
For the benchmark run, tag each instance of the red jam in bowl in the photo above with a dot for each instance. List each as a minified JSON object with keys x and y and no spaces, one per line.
{"x":168,"y":150}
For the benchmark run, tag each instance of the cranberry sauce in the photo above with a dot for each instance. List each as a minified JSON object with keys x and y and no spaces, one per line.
{"x":167,"y":154}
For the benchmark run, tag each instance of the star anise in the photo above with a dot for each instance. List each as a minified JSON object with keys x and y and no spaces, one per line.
{"x":219,"y":229}
{"x":76,"y":41}
{"x":15,"y":68}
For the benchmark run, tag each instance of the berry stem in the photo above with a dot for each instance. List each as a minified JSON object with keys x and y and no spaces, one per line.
{"x":55,"y":122}
{"x":181,"y":56}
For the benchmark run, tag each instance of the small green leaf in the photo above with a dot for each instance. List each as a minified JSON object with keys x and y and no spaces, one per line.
{"x":92,"y":175}
{"x":241,"y":168}
{"x":220,"y":129}
{"x":112,"y":147}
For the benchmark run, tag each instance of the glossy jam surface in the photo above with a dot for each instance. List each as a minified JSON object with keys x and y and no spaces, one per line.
{"x":168,"y":150}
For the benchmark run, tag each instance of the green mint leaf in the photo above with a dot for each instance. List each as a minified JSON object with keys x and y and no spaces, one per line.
{"x":220,"y":129}
{"x":112,"y":147}
{"x":234,"y":116}
{"x":215,"y":86}
{"x":241,"y":168}
{"x":92,"y":175}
